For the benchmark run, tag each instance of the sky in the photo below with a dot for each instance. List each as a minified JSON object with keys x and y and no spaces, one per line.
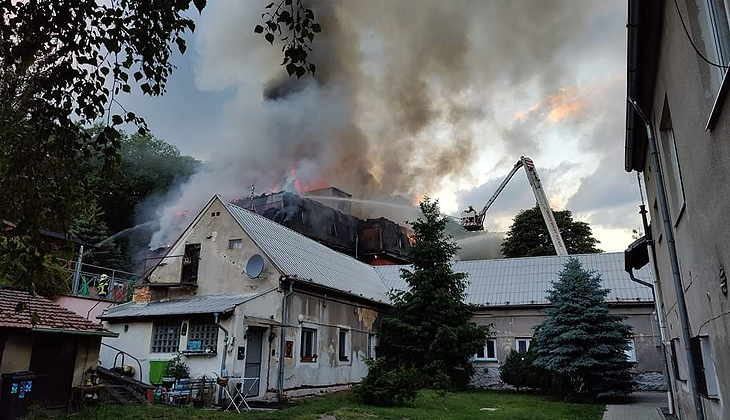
{"x":411,"y":98}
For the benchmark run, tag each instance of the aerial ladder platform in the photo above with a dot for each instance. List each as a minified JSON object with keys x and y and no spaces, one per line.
{"x":473,"y":221}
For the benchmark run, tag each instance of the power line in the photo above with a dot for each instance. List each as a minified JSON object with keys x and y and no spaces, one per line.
{"x":689,"y":37}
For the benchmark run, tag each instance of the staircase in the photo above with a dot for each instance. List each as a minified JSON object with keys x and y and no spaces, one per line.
{"x":123,"y":389}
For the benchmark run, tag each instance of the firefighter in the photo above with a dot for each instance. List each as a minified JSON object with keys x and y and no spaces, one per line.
{"x":102,"y":287}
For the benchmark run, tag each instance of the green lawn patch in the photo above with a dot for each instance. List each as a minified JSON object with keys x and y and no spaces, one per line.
{"x":456,"y":406}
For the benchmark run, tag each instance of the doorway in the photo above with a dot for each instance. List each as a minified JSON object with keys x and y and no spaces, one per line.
{"x":54,"y":356}
{"x":252,"y":369}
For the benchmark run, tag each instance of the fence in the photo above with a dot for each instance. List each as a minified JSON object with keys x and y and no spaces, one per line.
{"x":89,"y":280}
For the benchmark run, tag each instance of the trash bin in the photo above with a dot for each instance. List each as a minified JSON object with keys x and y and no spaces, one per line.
{"x":15,"y":394}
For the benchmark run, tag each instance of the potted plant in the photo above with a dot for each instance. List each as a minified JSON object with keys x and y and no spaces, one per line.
{"x":176,"y":369}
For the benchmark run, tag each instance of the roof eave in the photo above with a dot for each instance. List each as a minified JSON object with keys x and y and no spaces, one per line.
{"x":75,"y":332}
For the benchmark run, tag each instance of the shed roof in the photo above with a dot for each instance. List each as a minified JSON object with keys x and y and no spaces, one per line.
{"x":525,"y":281}
{"x":18,"y":308}
{"x":298,"y":256}
{"x":193,"y":305}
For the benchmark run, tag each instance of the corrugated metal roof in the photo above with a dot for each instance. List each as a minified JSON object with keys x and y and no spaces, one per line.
{"x":192,"y":305}
{"x":525,"y":281}
{"x":296,"y":255}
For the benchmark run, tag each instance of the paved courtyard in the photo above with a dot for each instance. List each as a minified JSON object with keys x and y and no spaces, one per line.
{"x":643,"y":407}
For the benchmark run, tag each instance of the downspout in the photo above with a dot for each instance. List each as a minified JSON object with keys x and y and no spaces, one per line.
{"x":282,"y":339}
{"x":673,"y":259}
{"x":657,"y":308}
{"x":225,"y":351}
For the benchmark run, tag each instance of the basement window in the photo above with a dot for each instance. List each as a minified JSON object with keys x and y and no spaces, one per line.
{"x":166,"y":336}
{"x":235,"y":244}
{"x":203,"y":336}
{"x":488,"y":353}
{"x":190,"y":263}
{"x":343,"y":345}
{"x":704,"y":366}
{"x":309,"y":345}
{"x":523,"y":345}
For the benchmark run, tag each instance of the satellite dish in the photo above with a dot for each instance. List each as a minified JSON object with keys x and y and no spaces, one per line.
{"x":255,"y":266}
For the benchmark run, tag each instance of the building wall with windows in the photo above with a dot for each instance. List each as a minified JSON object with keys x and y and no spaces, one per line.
{"x":513,"y":329}
{"x":686,"y":100}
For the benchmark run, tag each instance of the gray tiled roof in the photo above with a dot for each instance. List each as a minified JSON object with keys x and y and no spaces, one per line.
{"x":207,"y":304}
{"x":296,"y":255}
{"x":524,"y":281}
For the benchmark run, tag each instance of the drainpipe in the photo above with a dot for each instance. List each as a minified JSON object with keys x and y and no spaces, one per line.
{"x":282,"y":339}
{"x":225,"y":351}
{"x":673,"y":260}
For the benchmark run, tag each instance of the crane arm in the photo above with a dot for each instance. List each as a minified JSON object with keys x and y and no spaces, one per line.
{"x":504,"y":183}
{"x":473,"y":221}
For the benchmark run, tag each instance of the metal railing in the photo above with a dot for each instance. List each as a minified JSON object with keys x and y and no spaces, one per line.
{"x":88,"y":281}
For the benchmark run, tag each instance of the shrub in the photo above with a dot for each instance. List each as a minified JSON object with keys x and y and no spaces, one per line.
{"x":519,"y":371}
{"x":513,"y":370}
{"x":177,"y":368}
{"x":386,"y":386}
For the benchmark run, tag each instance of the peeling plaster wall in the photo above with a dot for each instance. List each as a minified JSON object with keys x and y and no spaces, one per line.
{"x":327,"y":317}
{"x":221,"y":270}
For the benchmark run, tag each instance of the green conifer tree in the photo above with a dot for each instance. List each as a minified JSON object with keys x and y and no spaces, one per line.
{"x":90,"y":227}
{"x":430,"y":326}
{"x":581,"y":340}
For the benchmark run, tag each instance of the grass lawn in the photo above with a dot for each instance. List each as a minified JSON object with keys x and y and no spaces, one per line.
{"x":461,"y":405}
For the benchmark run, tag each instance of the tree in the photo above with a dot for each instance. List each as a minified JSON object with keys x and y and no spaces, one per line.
{"x":528,"y":236}
{"x":89,"y":226}
{"x":581,"y":339}
{"x":430,"y":327}
{"x":64,"y":66}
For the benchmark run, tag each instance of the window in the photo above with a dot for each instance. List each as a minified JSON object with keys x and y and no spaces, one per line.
{"x":704,"y":366}
{"x":203,"y":336}
{"x":675,"y":363}
{"x":191,"y":259}
{"x":166,"y":336}
{"x":332,"y":230}
{"x":343,"y":345}
{"x":309,"y":345}
{"x":235,"y":244}
{"x":488,"y":352}
{"x":631,"y":351}
{"x":372,"y":342}
{"x":714,"y":34}
{"x":523,"y":345}
{"x":670,"y":160}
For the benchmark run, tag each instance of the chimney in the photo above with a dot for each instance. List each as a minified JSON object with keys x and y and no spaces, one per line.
{"x":142,"y":294}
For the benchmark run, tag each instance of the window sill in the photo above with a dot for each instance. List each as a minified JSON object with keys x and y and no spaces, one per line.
{"x":485,"y":360}
{"x":198,"y":353}
{"x":711,"y":397}
{"x":719,"y":102}
{"x":679,"y":216}
{"x":308,"y":360}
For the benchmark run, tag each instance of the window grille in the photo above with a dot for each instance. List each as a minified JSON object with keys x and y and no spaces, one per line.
{"x":203,"y":336}
{"x":166,"y":336}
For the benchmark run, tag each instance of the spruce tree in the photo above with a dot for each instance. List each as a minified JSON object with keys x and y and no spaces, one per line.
{"x":90,"y":227}
{"x":581,"y":340}
{"x":430,"y":327}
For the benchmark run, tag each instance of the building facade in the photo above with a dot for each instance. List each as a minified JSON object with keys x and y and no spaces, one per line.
{"x":676,"y":54}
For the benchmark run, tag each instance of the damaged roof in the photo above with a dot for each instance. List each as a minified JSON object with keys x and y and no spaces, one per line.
{"x":193,"y":305}
{"x":525,"y":281}
{"x":18,"y":308}
{"x":309,"y":261}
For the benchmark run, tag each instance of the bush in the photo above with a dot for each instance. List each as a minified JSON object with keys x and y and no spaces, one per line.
{"x":386,"y":386}
{"x":520,"y":371}
{"x":177,"y":368}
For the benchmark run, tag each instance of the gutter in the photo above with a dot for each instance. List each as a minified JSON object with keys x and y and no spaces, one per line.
{"x":75,"y":332}
{"x":673,"y":259}
{"x":282,"y":337}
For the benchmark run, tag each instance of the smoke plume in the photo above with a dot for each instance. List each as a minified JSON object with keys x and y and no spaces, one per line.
{"x":394,"y":108}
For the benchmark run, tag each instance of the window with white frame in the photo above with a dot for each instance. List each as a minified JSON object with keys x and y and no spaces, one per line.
{"x":671,"y":168}
{"x":522,"y":345}
{"x":343,"y":350}
{"x":166,"y":336}
{"x":488,"y":352}
{"x":308,"y":351}
{"x":235,"y":244}
{"x":203,"y":336}
{"x":711,"y":20}
{"x":372,"y":342}
{"x":631,"y":351}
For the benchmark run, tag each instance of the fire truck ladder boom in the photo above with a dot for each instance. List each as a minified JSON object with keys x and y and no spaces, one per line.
{"x":472,"y":221}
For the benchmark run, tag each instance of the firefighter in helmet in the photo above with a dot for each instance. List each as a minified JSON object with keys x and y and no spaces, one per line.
{"x":102,"y":287}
